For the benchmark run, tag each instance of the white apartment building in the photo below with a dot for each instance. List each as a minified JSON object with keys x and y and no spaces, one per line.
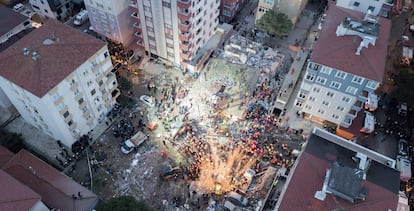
{"x":59,"y":80}
{"x":377,"y":7}
{"x":54,"y":9}
{"x":111,"y":18}
{"x":346,"y":66}
{"x":176,"y":30}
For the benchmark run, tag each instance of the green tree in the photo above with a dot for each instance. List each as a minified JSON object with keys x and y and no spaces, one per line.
{"x":275,"y":23}
{"x":123,"y":203}
{"x":405,"y":84}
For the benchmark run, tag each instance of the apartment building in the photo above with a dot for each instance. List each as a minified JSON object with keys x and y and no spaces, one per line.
{"x":111,"y":19}
{"x":176,"y":30}
{"x":54,"y":9}
{"x":59,"y":80}
{"x":229,"y":9}
{"x":377,"y":7}
{"x":346,"y":66}
{"x":292,"y":9}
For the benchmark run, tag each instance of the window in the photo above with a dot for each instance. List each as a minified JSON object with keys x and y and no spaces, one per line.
{"x":321,"y":111}
{"x":317,"y":90}
{"x":340,"y":74}
{"x":93,"y":92}
{"x":299,"y":103}
{"x":372,"y":84}
{"x":310,"y":76}
{"x":351,"y":90}
{"x":166,"y":4}
{"x":312,"y":99}
{"x":371,"y":8}
{"x":314,"y":66}
{"x":326,"y":70}
{"x":106,"y":54}
{"x":89,"y":83}
{"x":66,"y":114}
{"x":346,"y":99}
{"x":334,"y":116}
{"x":335,"y":85}
{"x":340,"y":108}
{"x":356,"y":4}
{"x":357,"y":80}
{"x":76,"y":92}
{"x":329,"y":94}
{"x":70,"y":123}
{"x":302,"y":95}
{"x":308,"y":107}
{"x":325,"y":103}
{"x":321,"y":80}
{"x":80,"y":101}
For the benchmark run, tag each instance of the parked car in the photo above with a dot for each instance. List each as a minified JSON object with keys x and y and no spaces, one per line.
{"x":18,"y":7}
{"x":133,"y":142}
{"x":402,"y":109}
{"x":81,"y":18}
{"x":237,"y":198}
{"x":404,"y":166}
{"x":403,"y":148}
{"x":147,"y":100}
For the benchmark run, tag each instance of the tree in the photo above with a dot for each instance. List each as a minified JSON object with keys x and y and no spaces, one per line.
{"x":123,"y":203}
{"x":275,"y":23}
{"x":405,"y":84}
{"x":124,"y":83}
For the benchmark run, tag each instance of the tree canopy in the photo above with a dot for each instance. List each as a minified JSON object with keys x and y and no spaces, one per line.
{"x":275,"y":23}
{"x":405,"y":85}
{"x":123,"y":203}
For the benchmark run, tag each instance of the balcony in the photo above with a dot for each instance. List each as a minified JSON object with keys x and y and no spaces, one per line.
{"x":184,"y":15}
{"x":186,"y":36}
{"x":138,"y":34}
{"x":74,"y":87}
{"x":135,"y":15}
{"x":136,"y":25}
{"x":185,"y":26}
{"x":110,"y":78}
{"x":184,"y":4}
{"x":185,"y":46}
{"x":185,"y":55}
{"x":115,"y":93}
{"x":133,"y":4}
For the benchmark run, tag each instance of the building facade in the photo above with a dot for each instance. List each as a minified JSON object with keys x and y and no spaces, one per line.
{"x":377,"y":7}
{"x":59,"y":80}
{"x":292,"y":8}
{"x":346,"y":66}
{"x":175,"y":30}
{"x":229,"y":9}
{"x":111,"y":19}
{"x":55,"y":9}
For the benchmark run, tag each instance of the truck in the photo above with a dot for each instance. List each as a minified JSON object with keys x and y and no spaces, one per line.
{"x":81,"y":18}
{"x":403,"y":165}
{"x":132,"y":143}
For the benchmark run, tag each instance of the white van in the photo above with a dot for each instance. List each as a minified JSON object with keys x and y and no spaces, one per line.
{"x":81,"y":18}
{"x":404,"y":166}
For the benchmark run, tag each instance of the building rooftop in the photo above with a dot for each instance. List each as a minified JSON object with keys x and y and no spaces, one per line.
{"x":320,"y":154}
{"x":14,"y":195}
{"x":54,"y":51}
{"x":339,"y":52}
{"x":9,"y":19}
{"x":54,"y":187}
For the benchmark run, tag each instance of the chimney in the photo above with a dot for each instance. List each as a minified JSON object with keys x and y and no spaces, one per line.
{"x":35,"y":55}
{"x":26,"y":51}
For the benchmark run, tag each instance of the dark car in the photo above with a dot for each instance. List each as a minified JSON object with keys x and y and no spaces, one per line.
{"x":403,"y":148}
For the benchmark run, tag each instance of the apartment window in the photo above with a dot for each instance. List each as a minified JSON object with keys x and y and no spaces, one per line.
{"x":325,"y":103}
{"x":346,"y":99}
{"x":356,"y":4}
{"x":340,"y":108}
{"x":166,"y":4}
{"x":308,"y":107}
{"x":147,"y":9}
{"x":151,"y":38}
{"x":85,"y":109}
{"x":61,"y":106}
{"x":80,"y":101}
{"x":93,"y":92}
{"x":76,"y":92}
{"x":371,"y":8}
{"x":340,"y":74}
{"x":326,"y":70}
{"x":106,"y":54}
{"x":334,"y":116}
{"x":299,"y":103}
{"x":314,"y":66}
{"x":56,"y":96}
{"x":372,"y":84}
{"x":321,"y":111}
{"x":89,"y":83}
{"x":310,"y":76}
{"x":70,"y":123}
{"x":166,"y":25}
{"x":351,"y":90}
{"x":335,"y":85}
{"x":150,"y":29}
{"x":357,"y":80}
{"x":321,"y":80}
{"x":317,"y":90}
{"x":66,"y":114}
{"x":330,"y":94}
{"x":302,"y":95}
{"x":148,"y":18}
{"x":312,"y":98}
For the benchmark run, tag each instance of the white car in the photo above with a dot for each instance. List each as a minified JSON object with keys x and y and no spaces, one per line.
{"x":147,"y":100}
{"x":18,"y":7}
